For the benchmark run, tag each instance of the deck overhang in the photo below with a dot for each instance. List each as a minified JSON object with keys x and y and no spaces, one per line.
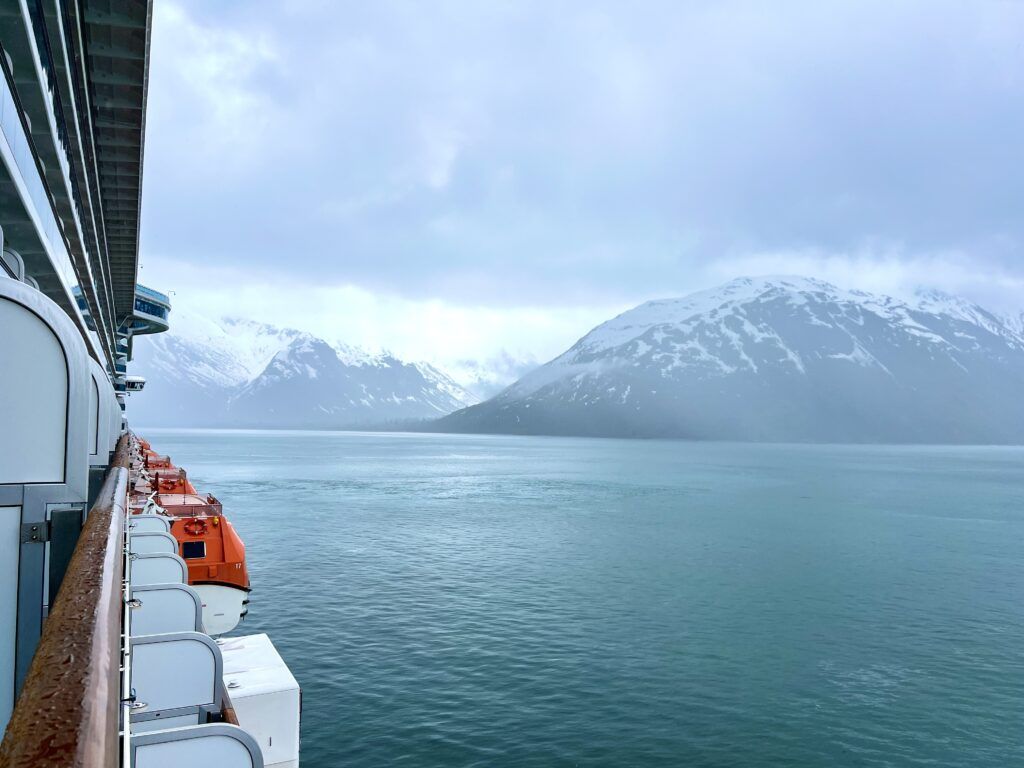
{"x":117,"y":43}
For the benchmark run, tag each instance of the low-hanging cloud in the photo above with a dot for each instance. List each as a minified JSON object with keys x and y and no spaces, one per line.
{"x":588,"y":155}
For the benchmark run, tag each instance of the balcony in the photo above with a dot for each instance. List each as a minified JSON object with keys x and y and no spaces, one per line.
{"x":148,"y":293}
{"x":151,"y":311}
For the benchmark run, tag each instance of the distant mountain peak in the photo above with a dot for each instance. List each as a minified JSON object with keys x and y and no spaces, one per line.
{"x":779,"y":358}
{"x":240,"y":372}
{"x":734,"y":296}
{"x":675,"y":311}
{"x":355,"y":355}
{"x":304,"y":357}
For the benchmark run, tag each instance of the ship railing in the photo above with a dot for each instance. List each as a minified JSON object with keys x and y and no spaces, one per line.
{"x":90,"y":700}
{"x":189,"y":510}
{"x":68,"y":711}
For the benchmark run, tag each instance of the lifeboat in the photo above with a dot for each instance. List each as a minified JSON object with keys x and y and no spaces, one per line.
{"x":207,"y":541}
{"x":160,"y":481}
{"x":215,"y":556}
{"x":165,"y":482}
{"x":152,"y":461}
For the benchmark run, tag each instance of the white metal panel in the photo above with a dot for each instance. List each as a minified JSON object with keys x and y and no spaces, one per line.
{"x":158,"y":569}
{"x":10,"y":536}
{"x":223,"y":746}
{"x":163,"y":723}
{"x":94,"y":419}
{"x":172,"y":608}
{"x":44,"y":398}
{"x":157,"y":542}
{"x":33,"y":398}
{"x":265,"y":695}
{"x":114,"y":414}
{"x":101,"y":435}
{"x":273,"y":721}
{"x":149,"y":524}
{"x":171,"y":674}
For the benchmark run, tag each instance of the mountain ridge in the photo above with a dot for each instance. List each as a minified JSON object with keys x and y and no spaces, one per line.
{"x":242,"y":373}
{"x":779,"y":358}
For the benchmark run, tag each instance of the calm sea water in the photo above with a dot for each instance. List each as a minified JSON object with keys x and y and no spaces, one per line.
{"x":499,"y":601}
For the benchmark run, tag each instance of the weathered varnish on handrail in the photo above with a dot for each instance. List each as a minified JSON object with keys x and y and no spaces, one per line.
{"x":67,"y":713}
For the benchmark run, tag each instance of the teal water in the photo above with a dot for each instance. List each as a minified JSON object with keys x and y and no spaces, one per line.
{"x":500,"y":601}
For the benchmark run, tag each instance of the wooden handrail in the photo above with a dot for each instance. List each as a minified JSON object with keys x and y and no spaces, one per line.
{"x":67,"y":713}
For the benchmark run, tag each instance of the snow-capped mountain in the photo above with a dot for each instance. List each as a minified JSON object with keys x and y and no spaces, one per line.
{"x":1016,"y":322}
{"x":779,"y":358}
{"x":234,"y":372}
{"x":486,"y":378}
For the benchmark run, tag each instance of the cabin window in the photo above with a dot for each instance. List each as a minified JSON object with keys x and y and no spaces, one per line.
{"x":193,"y":550}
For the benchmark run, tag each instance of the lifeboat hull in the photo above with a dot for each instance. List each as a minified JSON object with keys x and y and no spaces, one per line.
{"x":223,"y":607}
{"x":215,"y":557}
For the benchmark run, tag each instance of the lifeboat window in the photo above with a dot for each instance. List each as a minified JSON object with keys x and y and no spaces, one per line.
{"x":193,"y":550}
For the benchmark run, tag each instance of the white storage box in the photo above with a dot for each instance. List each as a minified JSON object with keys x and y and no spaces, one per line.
{"x":265,"y":696}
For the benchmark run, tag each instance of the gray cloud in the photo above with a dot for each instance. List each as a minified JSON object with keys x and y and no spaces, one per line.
{"x":553,"y":153}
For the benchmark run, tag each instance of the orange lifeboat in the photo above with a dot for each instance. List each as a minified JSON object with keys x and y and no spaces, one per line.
{"x":154,"y":461}
{"x":207,"y":541}
{"x":215,"y":556}
{"x":167,"y":482}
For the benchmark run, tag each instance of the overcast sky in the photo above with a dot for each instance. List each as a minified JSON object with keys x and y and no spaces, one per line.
{"x":454,"y":179}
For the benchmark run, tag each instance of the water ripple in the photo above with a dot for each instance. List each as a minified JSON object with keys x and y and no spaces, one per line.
{"x":461,"y":601}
